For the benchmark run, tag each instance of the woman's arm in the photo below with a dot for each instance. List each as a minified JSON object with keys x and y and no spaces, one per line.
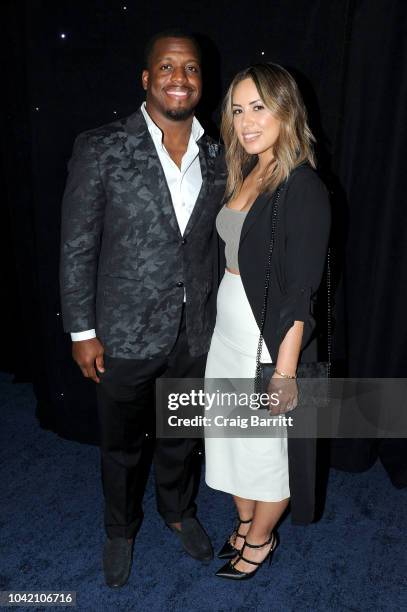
{"x":289,"y":350}
{"x":286,"y":365}
{"x":308,"y":221}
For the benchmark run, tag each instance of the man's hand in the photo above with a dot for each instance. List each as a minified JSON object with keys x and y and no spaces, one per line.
{"x":287,"y":391}
{"x":88,"y":354}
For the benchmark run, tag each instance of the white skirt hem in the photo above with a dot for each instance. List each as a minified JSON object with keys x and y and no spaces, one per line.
{"x":252,"y":495}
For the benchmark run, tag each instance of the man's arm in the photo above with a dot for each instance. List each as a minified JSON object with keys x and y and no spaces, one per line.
{"x":81,"y":229}
{"x":84,"y":335}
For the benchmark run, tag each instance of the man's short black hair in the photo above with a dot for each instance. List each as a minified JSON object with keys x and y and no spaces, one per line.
{"x":170,"y":33}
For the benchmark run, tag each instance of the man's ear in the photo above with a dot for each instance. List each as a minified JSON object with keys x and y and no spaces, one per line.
{"x":144,"y":79}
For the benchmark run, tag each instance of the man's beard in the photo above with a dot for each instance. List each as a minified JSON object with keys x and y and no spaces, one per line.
{"x":179,"y":115}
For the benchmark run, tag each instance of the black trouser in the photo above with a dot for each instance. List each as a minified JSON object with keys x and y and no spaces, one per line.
{"x":128,"y":445}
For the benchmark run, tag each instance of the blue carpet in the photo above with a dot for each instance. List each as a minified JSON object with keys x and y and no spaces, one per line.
{"x":353,"y":559}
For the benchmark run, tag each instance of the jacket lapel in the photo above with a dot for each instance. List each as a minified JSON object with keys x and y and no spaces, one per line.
{"x":208,"y":174}
{"x":261,"y":202}
{"x":164,"y":197}
{"x":144,"y":156}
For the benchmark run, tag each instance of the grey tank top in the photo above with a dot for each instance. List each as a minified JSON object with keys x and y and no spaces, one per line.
{"x":229,"y":225}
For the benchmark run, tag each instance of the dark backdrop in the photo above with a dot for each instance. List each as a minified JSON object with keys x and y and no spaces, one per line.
{"x":349,"y":57}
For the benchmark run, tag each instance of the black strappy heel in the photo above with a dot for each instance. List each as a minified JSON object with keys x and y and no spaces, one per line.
{"x":229,"y":570}
{"x":228,"y":551}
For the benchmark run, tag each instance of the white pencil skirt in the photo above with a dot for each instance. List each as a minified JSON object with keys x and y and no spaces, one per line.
{"x":252,"y":468}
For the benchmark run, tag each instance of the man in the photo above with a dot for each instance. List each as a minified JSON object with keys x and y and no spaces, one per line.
{"x":136,"y":285}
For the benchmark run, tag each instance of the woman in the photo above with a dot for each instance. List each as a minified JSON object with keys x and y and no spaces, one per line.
{"x":268,"y":144}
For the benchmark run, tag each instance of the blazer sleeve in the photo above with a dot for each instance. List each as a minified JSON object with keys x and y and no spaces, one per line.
{"x":307,"y":223}
{"x":81,"y":230}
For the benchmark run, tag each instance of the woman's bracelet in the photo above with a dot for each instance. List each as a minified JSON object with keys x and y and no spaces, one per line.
{"x":284,"y":375}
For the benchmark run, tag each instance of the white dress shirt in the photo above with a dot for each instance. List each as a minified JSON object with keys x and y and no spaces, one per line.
{"x":184,"y":183}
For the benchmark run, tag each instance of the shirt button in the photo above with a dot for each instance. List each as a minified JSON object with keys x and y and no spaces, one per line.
{"x":180,"y":284}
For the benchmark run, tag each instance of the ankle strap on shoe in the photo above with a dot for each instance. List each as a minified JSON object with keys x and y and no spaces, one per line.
{"x":240,"y":552}
{"x":240,"y":522}
{"x":244,"y":522}
{"x":271,"y":538}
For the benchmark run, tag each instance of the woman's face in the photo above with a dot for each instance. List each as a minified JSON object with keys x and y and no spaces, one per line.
{"x":256,"y":127}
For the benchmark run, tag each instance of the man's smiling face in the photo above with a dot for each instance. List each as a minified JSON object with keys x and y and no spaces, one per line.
{"x":173,"y":79}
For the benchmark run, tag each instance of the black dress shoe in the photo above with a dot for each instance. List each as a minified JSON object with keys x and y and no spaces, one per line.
{"x":194,"y":539}
{"x":228,"y":551}
{"x":229,"y":570}
{"x":117,"y":558}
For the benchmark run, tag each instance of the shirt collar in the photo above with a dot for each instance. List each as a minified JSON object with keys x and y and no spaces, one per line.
{"x":197,"y":130}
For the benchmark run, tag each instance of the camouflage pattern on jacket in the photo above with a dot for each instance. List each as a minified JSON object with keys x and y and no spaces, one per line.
{"x":124,"y":263}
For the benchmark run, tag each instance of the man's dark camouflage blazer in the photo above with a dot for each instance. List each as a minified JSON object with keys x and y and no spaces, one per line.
{"x":123,"y":259}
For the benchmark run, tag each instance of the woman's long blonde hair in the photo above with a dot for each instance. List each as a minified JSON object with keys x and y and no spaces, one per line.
{"x":280,"y":94}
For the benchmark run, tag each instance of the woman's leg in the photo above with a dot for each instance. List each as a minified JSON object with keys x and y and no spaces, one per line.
{"x":245,"y":507}
{"x":266,"y":515}
{"x":245,"y":510}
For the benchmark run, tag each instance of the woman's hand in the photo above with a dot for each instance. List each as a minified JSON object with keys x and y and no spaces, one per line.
{"x":287,"y":391}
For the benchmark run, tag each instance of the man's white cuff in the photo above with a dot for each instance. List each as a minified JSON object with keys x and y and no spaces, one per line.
{"x":85,"y":335}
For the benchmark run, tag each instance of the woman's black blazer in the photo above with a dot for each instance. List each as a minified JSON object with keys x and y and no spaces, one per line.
{"x":299,"y":255}
{"x":298,"y":262}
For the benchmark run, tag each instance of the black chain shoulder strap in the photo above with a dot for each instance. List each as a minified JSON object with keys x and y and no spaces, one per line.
{"x":267,"y":281}
{"x":329,"y":315}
